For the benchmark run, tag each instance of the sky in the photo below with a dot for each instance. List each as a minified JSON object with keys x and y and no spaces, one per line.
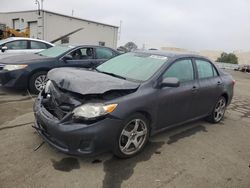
{"x":191,"y":24}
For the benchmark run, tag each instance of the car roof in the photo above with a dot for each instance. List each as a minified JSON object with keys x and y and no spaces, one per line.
{"x":25,"y":38}
{"x":171,"y":54}
{"x":85,"y":45}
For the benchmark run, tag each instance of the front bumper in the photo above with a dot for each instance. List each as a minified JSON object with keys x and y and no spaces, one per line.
{"x":76,"y":138}
{"x":17,"y":79}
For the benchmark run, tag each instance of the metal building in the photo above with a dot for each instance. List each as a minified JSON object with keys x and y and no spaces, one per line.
{"x":48,"y":26}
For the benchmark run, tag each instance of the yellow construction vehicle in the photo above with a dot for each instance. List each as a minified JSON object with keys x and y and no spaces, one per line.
{"x":6,"y":32}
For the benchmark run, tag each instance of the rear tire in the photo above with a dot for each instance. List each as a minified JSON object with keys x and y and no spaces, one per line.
{"x":132,"y":137}
{"x":37,"y":82}
{"x":218,"y":112}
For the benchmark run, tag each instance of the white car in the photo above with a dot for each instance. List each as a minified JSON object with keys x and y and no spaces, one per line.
{"x":20,"y":45}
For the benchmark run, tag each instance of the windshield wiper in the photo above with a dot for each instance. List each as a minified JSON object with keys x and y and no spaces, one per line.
{"x":111,"y":74}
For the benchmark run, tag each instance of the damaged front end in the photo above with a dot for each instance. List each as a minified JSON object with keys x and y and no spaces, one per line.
{"x":58,"y":124}
{"x":74,"y":111}
{"x":67,"y":105}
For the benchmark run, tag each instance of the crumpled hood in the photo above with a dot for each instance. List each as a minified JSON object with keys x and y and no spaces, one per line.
{"x":85,"y":82}
{"x":24,"y":58}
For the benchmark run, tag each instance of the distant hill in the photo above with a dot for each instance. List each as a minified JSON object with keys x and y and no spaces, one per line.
{"x":244,"y":57}
{"x":211,"y":54}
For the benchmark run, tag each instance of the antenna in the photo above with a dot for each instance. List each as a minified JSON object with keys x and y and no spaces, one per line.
{"x":72,"y":13}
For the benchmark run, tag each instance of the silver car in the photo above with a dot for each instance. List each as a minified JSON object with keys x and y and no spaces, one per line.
{"x":21,"y":45}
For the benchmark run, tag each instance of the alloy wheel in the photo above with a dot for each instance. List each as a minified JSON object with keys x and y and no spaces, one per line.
{"x":40,"y":82}
{"x":133,"y":137}
{"x":219,"y":109}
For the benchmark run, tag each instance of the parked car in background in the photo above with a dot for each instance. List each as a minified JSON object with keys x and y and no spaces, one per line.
{"x":243,"y":68}
{"x":20,"y":45}
{"x":29,"y":71}
{"x":125,"y":100}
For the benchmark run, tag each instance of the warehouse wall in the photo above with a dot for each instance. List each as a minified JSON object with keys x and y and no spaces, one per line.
{"x":24,"y":18}
{"x":56,"y":25}
{"x":93,"y":33}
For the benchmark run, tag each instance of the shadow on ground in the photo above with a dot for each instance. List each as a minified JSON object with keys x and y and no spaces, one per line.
{"x":11,"y":91}
{"x":118,"y":170}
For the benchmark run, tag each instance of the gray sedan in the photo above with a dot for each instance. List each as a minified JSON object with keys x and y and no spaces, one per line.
{"x":127,"y":99}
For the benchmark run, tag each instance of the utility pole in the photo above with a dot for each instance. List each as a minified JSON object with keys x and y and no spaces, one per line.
{"x":40,"y":33}
{"x":42,"y":4}
{"x":39,"y":7}
{"x":120,"y":30}
{"x":42,"y":16}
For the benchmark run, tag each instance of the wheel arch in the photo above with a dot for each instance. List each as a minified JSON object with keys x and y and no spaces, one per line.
{"x":226,"y":96}
{"x":148,"y":116}
{"x":34,"y":72}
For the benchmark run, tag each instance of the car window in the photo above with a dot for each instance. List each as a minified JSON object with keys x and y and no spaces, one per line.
{"x":104,"y":53}
{"x":204,"y":68}
{"x":181,"y":69}
{"x":17,"y":45}
{"x":82,"y":53}
{"x":37,"y":45}
{"x":55,"y":51}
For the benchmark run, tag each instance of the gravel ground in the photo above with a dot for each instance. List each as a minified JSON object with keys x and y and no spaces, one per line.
{"x":198,"y":154}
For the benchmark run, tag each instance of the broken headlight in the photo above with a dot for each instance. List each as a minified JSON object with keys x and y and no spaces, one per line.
{"x":91,"y":111}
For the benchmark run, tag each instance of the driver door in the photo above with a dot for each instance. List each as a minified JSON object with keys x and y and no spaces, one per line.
{"x":81,"y":57}
{"x":175,"y":103}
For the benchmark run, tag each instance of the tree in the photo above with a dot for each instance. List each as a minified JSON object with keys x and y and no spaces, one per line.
{"x":228,"y":58}
{"x":130,"y":46}
{"x":122,"y":49}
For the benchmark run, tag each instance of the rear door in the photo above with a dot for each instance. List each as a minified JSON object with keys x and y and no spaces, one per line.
{"x":210,"y":87}
{"x":36,"y":46}
{"x":175,"y":104}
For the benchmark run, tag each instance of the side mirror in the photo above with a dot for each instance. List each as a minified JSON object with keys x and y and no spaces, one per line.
{"x":4,"y":48}
{"x":170,"y":82}
{"x":67,"y":57}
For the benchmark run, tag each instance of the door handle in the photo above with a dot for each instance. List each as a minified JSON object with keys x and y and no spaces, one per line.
{"x":219,"y":83}
{"x":194,"y":89}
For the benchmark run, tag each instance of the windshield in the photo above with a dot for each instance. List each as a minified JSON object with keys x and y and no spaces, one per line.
{"x":54,"y":51}
{"x":134,"y":66}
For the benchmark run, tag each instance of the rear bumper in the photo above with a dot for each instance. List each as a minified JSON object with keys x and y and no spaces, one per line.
{"x":76,"y":138}
{"x":17,"y":79}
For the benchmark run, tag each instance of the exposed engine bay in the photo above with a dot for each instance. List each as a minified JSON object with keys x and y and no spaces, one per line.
{"x":60,"y":102}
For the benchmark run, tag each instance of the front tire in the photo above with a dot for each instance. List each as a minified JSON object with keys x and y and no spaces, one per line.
{"x":38,"y":82}
{"x":132,"y":137}
{"x":218,"y":112}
